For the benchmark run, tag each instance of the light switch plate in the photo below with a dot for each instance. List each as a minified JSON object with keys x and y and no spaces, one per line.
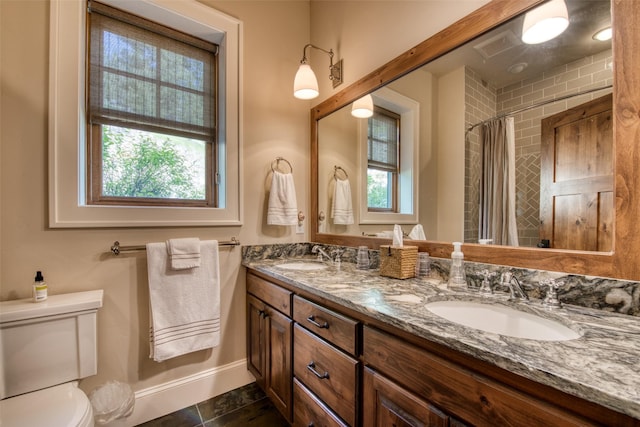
{"x":300,"y":228}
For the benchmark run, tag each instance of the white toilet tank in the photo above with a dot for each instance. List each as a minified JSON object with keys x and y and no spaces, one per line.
{"x":47,"y":343}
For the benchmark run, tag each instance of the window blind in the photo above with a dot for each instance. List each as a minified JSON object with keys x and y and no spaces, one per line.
{"x":149,"y":77}
{"x":383,"y":140}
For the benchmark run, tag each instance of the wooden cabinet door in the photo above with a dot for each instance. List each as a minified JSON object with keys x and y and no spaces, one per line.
{"x":386,"y":404}
{"x":576,"y":177}
{"x":279,"y":371}
{"x":269,"y":348}
{"x":256,"y":339}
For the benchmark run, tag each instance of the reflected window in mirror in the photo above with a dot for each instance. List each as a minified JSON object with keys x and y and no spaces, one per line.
{"x":388,"y":148}
{"x":383,"y":147}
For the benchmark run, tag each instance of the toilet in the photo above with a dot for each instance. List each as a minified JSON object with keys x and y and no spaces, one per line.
{"x":46,"y":347}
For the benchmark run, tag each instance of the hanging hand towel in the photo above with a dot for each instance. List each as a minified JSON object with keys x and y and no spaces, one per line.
{"x":184,"y":305}
{"x":342,"y":209}
{"x":283,"y":207}
{"x":184,"y":253}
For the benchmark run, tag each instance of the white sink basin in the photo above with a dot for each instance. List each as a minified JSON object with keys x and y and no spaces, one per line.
{"x":502,"y":320}
{"x":302,"y":266}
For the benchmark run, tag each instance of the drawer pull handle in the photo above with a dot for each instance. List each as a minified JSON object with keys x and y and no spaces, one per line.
{"x":312,"y":367}
{"x":312,"y":320}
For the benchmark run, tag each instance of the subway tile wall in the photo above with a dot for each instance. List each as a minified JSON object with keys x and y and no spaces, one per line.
{"x":483,"y":102}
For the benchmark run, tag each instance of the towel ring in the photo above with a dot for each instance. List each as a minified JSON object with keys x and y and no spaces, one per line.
{"x":277,"y":163}
{"x":337,"y":169}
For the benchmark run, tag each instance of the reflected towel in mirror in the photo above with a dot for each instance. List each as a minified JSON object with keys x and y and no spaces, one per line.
{"x":417,"y":233}
{"x":342,"y":209}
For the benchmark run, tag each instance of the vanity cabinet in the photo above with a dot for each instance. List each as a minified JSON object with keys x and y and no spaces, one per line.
{"x":327,"y":365}
{"x":269,"y":341}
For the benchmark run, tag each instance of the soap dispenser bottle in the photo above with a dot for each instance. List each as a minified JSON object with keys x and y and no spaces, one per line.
{"x":457,"y":276}
{"x":39,"y":288}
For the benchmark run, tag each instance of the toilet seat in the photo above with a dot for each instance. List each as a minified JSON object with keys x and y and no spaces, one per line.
{"x":63,"y":405}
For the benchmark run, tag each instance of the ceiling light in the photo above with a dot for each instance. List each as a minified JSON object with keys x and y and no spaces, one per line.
{"x":305,"y":84}
{"x":545,"y":22}
{"x":604,"y":34}
{"x":517,"y":68}
{"x":363,"y":107}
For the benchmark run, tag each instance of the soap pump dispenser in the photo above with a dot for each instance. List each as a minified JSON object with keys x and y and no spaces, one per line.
{"x":457,"y":276}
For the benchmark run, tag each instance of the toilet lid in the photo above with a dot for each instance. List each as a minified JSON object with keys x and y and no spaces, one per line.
{"x":64,"y":405}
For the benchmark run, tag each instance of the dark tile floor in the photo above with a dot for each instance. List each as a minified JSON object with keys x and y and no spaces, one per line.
{"x":246,"y":406}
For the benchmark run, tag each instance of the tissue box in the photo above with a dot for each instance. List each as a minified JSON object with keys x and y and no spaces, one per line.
{"x":398,"y":262}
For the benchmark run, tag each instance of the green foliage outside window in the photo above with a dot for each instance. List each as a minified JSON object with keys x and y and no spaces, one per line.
{"x":378,"y":195}
{"x":150,"y":165}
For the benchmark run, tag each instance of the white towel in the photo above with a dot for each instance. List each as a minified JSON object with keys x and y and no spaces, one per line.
{"x":184,"y":253}
{"x":342,"y":209}
{"x":283,"y":207}
{"x":417,"y":233}
{"x":184,"y":305}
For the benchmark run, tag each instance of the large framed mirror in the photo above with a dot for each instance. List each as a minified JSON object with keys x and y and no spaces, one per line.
{"x":486,"y":31}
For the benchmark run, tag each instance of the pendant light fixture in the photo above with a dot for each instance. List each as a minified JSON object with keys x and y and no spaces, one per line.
{"x":362,"y":108}
{"x":305,"y":84}
{"x":545,"y":22}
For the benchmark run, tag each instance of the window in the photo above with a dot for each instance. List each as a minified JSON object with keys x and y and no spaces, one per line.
{"x":388,"y":160}
{"x":211,"y":148}
{"x":383,"y":148}
{"x":151,"y":116}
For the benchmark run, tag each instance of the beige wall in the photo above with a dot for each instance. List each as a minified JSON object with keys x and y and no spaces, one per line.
{"x":368,"y":34}
{"x":275,"y":124}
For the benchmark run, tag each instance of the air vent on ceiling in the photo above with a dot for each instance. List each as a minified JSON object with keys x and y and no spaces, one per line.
{"x":498,"y":44}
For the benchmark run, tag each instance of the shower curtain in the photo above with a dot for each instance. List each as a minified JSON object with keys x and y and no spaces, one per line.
{"x":498,"y":184}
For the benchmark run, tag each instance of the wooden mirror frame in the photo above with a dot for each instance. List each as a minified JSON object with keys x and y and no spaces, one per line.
{"x":624,"y":261}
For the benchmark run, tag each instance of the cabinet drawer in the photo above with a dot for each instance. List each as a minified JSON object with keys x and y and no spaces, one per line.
{"x":277,"y":297}
{"x":340,"y":330}
{"x":312,"y":411}
{"x":328,"y":372}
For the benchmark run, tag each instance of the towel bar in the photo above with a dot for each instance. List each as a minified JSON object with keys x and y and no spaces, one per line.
{"x":116,"y":248}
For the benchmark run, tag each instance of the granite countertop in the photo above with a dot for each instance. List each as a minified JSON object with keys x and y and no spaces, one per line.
{"x":602,"y":366}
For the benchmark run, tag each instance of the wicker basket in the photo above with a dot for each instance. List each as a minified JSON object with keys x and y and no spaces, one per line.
{"x":398,"y":262}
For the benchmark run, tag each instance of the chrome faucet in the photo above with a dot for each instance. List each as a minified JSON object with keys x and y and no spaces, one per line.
{"x":515,"y":288}
{"x":551,"y":299}
{"x":318,"y":250}
{"x":485,"y":287}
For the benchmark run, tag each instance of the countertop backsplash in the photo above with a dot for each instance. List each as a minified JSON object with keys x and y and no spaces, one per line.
{"x":601,"y":293}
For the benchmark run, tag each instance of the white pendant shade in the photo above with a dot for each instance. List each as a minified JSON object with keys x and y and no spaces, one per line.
{"x":363,"y":107}
{"x":305,"y":85}
{"x":545,"y":22}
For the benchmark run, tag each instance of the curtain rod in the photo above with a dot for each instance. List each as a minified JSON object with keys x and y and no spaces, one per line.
{"x":116,"y":249}
{"x":539,"y":104}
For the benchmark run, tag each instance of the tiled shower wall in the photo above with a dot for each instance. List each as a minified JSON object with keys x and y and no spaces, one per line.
{"x":577,"y":76}
{"x":480,"y":102}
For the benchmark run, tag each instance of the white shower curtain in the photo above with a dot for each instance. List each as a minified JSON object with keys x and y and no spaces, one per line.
{"x":498,"y":185}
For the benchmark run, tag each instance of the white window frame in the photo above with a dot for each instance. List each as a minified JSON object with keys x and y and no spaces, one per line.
{"x":67,"y":117}
{"x":409,"y":111}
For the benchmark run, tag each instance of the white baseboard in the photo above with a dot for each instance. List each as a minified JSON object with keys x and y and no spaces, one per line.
{"x":156,"y":401}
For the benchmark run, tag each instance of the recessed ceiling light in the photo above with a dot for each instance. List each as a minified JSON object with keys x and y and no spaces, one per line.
{"x":603,"y":34}
{"x":517,"y":68}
